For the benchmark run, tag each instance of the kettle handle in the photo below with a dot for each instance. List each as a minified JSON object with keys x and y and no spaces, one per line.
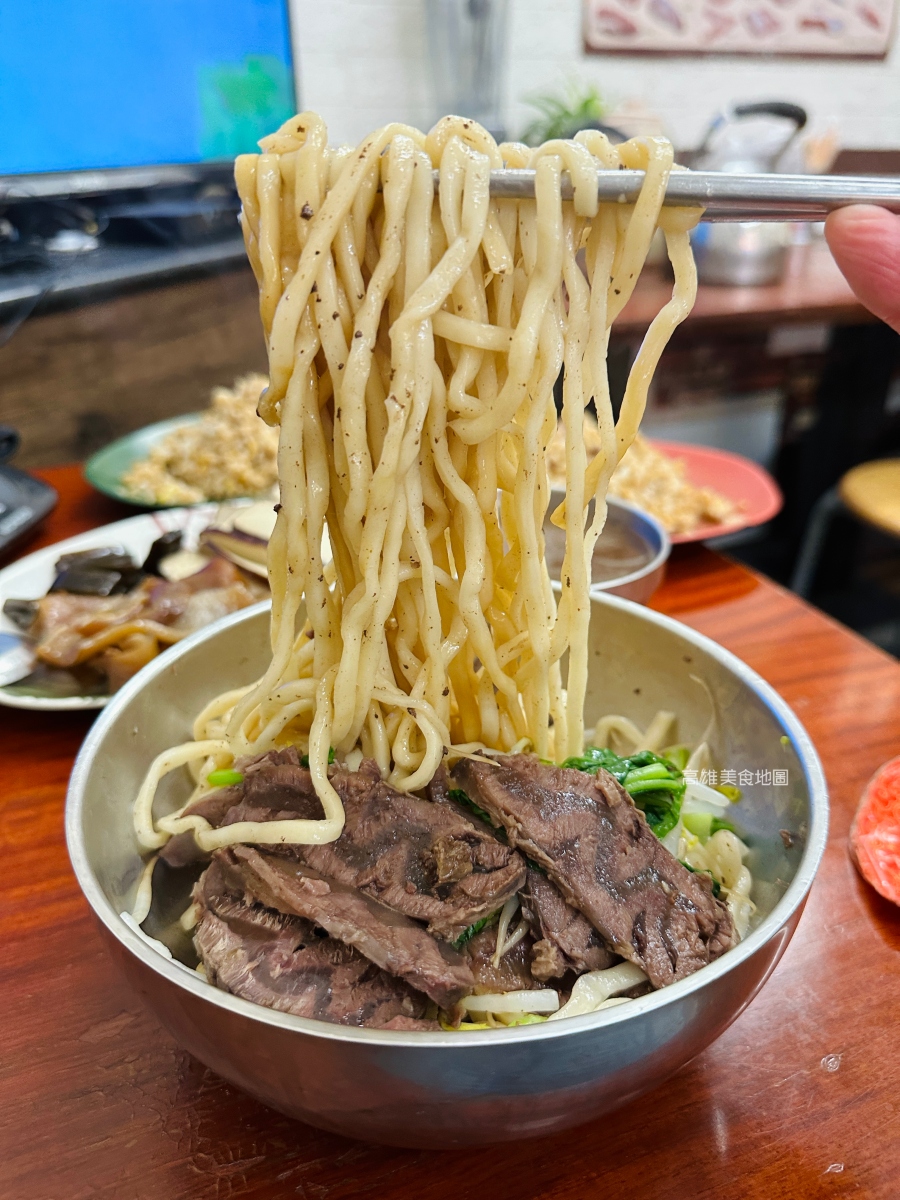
{"x":773,"y":108}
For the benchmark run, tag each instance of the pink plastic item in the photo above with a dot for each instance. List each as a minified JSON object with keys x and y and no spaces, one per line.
{"x":875,"y":832}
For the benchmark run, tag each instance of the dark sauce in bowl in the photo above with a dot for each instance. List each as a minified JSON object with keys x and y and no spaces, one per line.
{"x":622,"y":549}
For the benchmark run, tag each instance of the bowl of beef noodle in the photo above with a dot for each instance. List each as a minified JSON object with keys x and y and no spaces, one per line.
{"x":451,"y":1079}
{"x":441,"y":847}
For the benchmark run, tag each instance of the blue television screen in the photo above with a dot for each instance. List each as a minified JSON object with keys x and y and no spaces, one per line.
{"x":95,"y":84}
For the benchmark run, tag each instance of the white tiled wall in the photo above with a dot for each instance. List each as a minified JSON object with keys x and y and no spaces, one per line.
{"x":364,"y":62}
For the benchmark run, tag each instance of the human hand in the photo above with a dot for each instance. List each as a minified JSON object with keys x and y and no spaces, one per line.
{"x":865,"y":242}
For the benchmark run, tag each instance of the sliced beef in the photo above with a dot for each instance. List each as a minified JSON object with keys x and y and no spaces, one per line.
{"x":412,"y":1024}
{"x":275,"y":787}
{"x":431,"y":862}
{"x":423,"y":859}
{"x":569,"y":942}
{"x":600,"y":852}
{"x":282,"y":962}
{"x":513,"y":974}
{"x":182,"y":849}
{"x":387,"y":938}
{"x":276,"y":782}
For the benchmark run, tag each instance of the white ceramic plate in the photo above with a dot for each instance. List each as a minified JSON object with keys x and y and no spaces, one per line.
{"x":29,"y":578}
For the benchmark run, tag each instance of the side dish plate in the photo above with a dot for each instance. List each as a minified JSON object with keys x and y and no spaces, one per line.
{"x":741,"y":480}
{"x":104,"y":470}
{"x":30,"y":577}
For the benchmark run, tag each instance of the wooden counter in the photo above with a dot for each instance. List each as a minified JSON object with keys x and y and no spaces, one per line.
{"x":78,"y":377}
{"x":813,"y":290}
{"x":799,"y":1099}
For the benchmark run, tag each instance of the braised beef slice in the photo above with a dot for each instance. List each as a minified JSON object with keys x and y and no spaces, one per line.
{"x":425,"y":860}
{"x":512,"y":974}
{"x":282,"y":962}
{"x":182,"y":849}
{"x":387,"y":938}
{"x":275,"y":787}
{"x":415,"y":1024}
{"x":600,"y":852}
{"x":568,"y":942}
{"x":431,"y":862}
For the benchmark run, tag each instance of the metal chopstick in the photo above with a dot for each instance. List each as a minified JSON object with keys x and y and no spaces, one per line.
{"x":731,"y":197}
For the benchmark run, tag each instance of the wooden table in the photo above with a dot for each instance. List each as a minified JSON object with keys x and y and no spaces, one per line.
{"x":798,"y":1099}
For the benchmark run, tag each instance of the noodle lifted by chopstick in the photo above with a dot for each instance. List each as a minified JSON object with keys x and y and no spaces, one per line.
{"x":414,"y":340}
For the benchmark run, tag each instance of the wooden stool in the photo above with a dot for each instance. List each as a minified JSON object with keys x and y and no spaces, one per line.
{"x":869,"y":492}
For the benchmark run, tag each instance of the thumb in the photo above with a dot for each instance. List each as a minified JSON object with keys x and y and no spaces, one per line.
{"x":865,"y":242}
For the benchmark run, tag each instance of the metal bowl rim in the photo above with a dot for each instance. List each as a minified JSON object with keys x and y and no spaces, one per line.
{"x":659,"y":558}
{"x":182,"y":977}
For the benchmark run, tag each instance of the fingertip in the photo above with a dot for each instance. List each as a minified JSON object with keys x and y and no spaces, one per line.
{"x":859,"y":222}
{"x":865,"y":242}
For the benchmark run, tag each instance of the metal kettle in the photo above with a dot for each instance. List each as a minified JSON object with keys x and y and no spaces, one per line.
{"x":748,"y":138}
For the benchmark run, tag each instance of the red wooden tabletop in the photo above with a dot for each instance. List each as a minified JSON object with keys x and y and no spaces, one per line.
{"x":799,"y":1098}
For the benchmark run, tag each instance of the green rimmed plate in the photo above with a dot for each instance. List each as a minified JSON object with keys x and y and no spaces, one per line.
{"x":104,"y":470}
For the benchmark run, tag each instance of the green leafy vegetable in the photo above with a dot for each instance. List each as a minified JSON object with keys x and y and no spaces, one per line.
{"x":661,"y":810}
{"x":463,"y":798}
{"x":716,"y":886}
{"x":468,"y":934}
{"x":593,"y":759}
{"x":304,"y":758}
{"x":535,"y":866}
{"x":704,"y":825}
{"x":224,"y":778}
{"x":718,"y":823}
{"x":678,"y":756}
{"x":654,"y":783}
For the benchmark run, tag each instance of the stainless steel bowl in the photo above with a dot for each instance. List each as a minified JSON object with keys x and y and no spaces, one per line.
{"x":630,"y":557}
{"x":445,"y":1089}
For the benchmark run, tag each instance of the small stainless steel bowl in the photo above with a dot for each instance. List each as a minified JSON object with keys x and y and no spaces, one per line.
{"x":447,"y":1089}
{"x":630,"y":557}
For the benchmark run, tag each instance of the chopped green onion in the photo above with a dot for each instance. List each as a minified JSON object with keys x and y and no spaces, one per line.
{"x":224,"y":778}
{"x":699,"y":824}
{"x":304,"y":758}
{"x":704,"y":825}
